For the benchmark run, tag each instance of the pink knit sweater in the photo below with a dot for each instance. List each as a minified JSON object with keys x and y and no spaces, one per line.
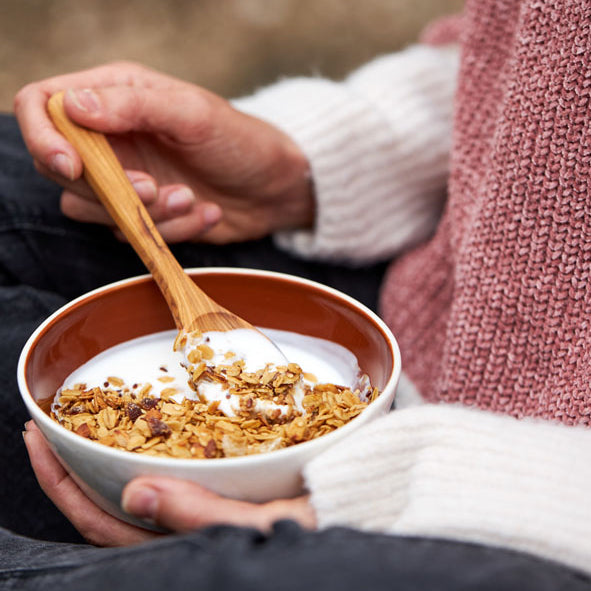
{"x":494,"y":311}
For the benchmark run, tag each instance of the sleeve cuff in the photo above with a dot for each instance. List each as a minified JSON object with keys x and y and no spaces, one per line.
{"x":452,"y":472}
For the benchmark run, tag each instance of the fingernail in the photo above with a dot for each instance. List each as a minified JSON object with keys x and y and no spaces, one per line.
{"x":211,"y":214}
{"x":26,"y":429}
{"x":141,"y":502}
{"x":180,"y":200}
{"x":62,"y":164}
{"x":85,"y":99}
{"x":146,"y":189}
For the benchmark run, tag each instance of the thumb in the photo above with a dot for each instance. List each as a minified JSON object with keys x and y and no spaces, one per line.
{"x":181,"y":112}
{"x":181,"y":506}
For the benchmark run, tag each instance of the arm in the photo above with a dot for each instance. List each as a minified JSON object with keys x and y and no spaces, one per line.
{"x":377,"y":145}
{"x":457,"y":473}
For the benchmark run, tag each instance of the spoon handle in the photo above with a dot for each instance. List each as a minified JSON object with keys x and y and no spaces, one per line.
{"x":107,"y":178}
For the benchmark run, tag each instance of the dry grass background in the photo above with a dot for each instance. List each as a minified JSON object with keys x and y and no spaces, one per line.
{"x":229,"y":46}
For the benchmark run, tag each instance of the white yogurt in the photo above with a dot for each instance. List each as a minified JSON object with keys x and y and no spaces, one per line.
{"x":152,"y":360}
{"x":246,"y":344}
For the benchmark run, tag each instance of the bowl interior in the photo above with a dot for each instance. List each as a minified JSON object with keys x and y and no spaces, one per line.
{"x":135,"y":307}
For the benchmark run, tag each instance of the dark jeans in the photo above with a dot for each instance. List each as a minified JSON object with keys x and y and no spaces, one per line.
{"x":45,"y":260}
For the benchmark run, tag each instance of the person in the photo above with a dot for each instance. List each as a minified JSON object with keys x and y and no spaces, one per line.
{"x":469,"y":170}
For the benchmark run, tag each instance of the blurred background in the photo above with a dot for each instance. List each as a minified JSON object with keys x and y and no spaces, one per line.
{"x":228,"y":46}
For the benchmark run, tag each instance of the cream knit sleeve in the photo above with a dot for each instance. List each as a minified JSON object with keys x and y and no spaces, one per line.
{"x":378,"y":145}
{"x":458,"y":473}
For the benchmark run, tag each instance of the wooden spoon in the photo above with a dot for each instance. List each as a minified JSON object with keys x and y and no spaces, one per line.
{"x":191,"y":308}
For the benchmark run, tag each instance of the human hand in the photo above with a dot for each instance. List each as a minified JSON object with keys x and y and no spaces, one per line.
{"x":176,"y":505}
{"x":204,"y":170}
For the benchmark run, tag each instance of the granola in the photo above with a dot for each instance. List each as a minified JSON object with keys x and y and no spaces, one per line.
{"x":278,"y":406}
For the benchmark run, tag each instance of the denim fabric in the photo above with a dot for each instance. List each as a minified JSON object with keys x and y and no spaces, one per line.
{"x":45,"y":260}
{"x":225,"y":558}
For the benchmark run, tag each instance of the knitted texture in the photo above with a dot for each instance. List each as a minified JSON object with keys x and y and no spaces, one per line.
{"x":457,"y":473}
{"x":494,"y":310}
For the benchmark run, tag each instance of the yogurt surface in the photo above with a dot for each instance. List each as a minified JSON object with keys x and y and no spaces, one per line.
{"x":152,"y":360}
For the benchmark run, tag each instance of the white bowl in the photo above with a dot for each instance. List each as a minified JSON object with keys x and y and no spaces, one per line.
{"x":134,"y":307}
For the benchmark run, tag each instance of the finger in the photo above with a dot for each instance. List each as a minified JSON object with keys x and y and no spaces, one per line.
{"x":80,"y":203}
{"x":181,"y":112}
{"x":179,"y":216}
{"x":47,"y":146}
{"x":170,"y":202}
{"x":167,"y":204}
{"x":182,"y":506}
{"x":44,"y":142}
{"x":143,"y":183}
{"x":84,"y":210}
{"x":184,"y":115}
{"x":93,"y":523}
{"x":78,"y":186}
{"x":191,"y":227}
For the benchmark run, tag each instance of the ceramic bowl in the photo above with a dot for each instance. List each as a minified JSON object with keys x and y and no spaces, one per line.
{"x":134,"y":307}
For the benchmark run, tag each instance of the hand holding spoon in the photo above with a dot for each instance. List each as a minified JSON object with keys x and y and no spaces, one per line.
{"x":191,"y":308}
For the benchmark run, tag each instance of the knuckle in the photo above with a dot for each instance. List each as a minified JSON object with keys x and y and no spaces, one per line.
{"x":129,"y":71}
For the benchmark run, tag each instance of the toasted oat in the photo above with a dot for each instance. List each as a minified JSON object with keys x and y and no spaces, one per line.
{"x":276,"y":409}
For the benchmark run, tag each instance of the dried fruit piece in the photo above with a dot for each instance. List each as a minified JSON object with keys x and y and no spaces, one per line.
{"x":157,"y":427}
{"x":133,"y":411}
